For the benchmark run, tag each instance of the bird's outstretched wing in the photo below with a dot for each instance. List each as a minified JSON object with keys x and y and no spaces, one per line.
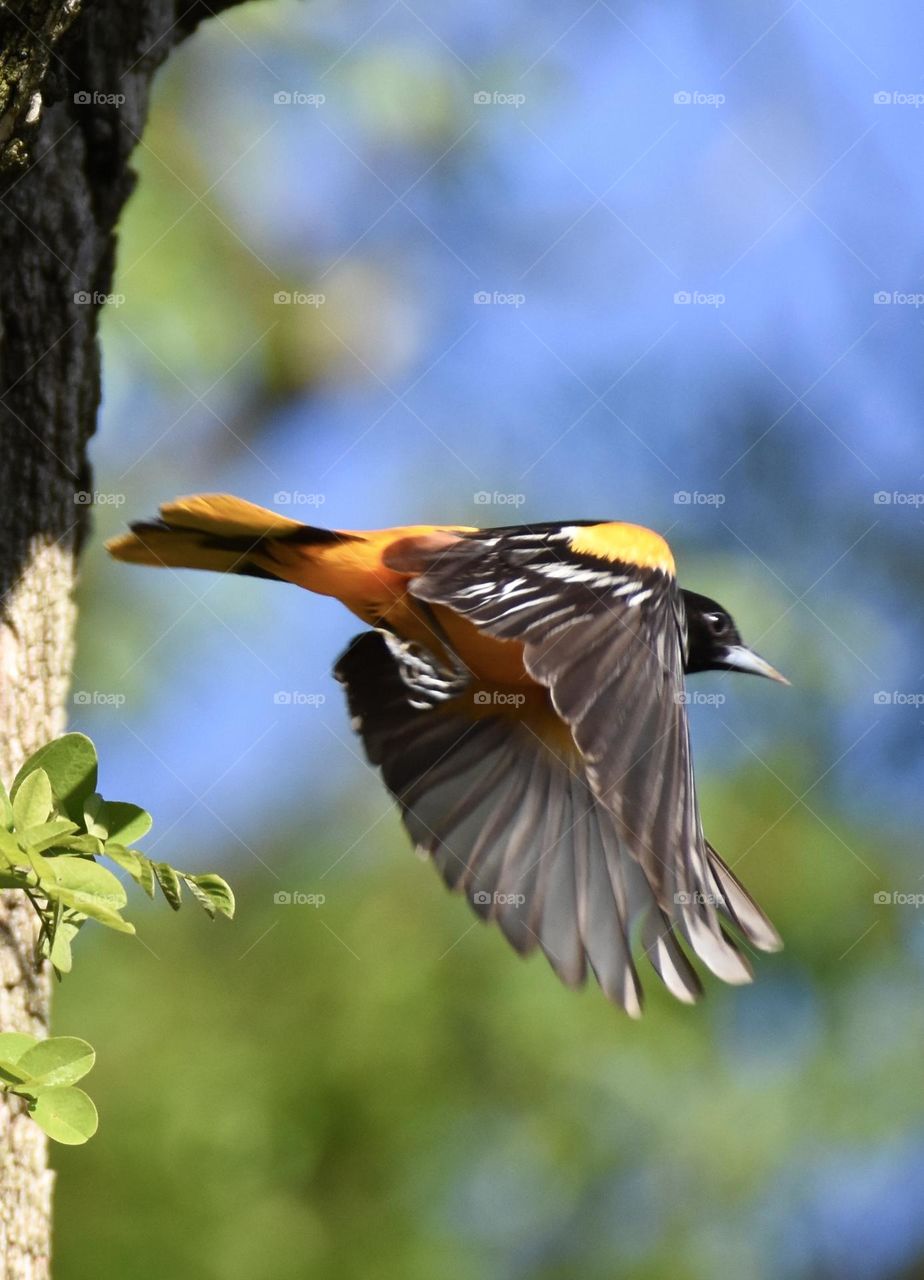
{"x":606,"y":636}
{"x":511,"y":823}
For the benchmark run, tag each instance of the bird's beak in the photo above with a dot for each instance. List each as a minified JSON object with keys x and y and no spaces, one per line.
{"x":739,"y":658}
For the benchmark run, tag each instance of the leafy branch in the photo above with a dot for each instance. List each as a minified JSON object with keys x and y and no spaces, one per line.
{"x":54,"y":828}
{"x":44,"y":1072}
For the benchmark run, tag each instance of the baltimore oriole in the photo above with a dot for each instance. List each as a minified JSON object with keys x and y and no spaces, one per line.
{"x":522,"y":693}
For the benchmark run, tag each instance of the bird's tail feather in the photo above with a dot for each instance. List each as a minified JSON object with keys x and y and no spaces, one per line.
{"x":215,"y":531}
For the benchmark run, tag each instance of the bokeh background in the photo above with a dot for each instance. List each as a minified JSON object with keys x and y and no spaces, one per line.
{"x":392,"y":262}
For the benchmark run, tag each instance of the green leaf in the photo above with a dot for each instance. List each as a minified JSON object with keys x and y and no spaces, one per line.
{"x":169,"y":882}
{"x":59,"y":953}
{"x":85,"y":877}
{"x":6,"y":809}
{"x":146,"y":877}
{"x":32,"y":801}
{"x":10,"y":850}
{"x":213,"y":893}
{"x":47,"y":835}
{"x":126,"y":822}
{"x":94,"y":816}
{"x":93,"y":908}
{"x":136,"y":864}
{"x":127,"y":859}
{"x":66,"y":1114}
{"x":86,"y":887}
{"x":81,"y":844}
{"x":41,"y":867}
{"x":56,"y":1061}
{"x":13,"y":1044}
{"x":71,"y":765}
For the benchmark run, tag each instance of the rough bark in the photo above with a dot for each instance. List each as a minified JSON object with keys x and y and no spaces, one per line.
{"x":74,"y":85}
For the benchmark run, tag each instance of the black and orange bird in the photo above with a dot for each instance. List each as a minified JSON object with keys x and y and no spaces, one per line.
{"x":521,"y":690}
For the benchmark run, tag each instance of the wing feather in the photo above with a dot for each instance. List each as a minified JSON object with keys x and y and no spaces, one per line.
{"x":510,"y":823}
{"x":608,"y":640}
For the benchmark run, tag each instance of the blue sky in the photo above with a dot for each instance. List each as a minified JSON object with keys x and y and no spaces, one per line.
{"x":627,"y":158}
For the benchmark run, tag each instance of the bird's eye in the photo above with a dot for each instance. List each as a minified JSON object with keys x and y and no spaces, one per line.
{"x":716,"y":622}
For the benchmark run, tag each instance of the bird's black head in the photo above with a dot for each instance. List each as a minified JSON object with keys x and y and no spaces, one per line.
{"x":714,"y":643}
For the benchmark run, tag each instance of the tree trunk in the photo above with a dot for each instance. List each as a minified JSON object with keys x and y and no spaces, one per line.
{"x":74,"y":84}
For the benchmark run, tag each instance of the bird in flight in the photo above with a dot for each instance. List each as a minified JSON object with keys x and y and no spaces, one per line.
{"x":521,"y":690}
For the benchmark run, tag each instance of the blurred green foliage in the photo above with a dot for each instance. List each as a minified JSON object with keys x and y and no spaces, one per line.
{"x":375,"y":1086}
